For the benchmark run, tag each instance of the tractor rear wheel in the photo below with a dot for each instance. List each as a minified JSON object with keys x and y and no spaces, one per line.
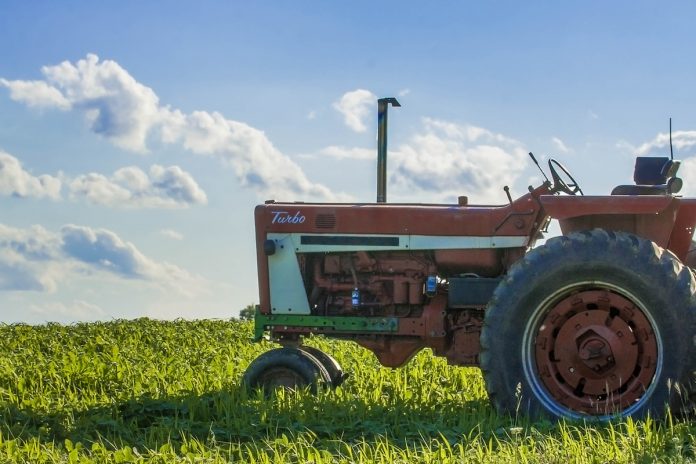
{"x":594,"y":324}
{"x":289,"y":368}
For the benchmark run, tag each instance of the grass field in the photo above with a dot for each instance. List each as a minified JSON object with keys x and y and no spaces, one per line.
{"x":147,"y":391}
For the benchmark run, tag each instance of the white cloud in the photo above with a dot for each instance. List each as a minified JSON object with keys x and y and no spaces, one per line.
{"x":129,"y":114}
{"x":312,"y":115}
{"x":103,"y":250}
{"x":687,"y":171}
{"x":172,"y":234}
{"x":559,"y":145}
{"x":36,"y":94}
{"x":131,"y":187}
{"x":684,"y":141}
{"x":404,"y":92}
{"x":16,"y":181}
{"x":33,"y":244}
{"x":355,"y":106}
{"x":117,"y":106}
{"x":37,"y":259}
{"x":446,"y":160}
{"x":27,"y":258}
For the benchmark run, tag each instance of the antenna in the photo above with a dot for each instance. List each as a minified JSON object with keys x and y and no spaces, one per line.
{"x":671,"y":152}
{"x":531,"y":155}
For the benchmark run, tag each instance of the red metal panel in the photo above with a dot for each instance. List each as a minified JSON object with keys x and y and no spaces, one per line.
{"x":563,"y":207}
{"x":262,"y":261}
{"x":682,"y":234}
{"x":515,"y":219}
{"x":664,"y":219}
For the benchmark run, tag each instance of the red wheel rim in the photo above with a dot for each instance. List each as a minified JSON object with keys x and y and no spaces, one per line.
{"x":596,"y":352}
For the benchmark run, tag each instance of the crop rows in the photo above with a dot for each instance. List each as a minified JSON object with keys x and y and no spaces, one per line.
{"x":149,"y":391}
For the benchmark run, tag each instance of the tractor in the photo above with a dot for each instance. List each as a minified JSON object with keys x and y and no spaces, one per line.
{"x":599,"y":322}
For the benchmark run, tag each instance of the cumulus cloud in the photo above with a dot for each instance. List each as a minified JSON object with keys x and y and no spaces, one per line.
{"x":254,"y":159}
{"x":37,"y":259}
{"x":16,"y":181}
{"x":33,"y":244}
{"x":116,"y":105}
{"x":355,"y":106}
{"x":36,"y":94}
{"x":446,"y":160}
{"x":130,"y":115}
{"x":684,"y":141}
{"x":131,"y":187}
{"x":687,"y":172}
{"x":27,"y":259}
{"x":103,"y":250}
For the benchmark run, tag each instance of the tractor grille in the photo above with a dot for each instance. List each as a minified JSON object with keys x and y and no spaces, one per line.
{"x":325,"y":221}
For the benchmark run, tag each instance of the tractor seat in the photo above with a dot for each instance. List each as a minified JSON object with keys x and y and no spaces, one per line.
{"x":653,"y":175}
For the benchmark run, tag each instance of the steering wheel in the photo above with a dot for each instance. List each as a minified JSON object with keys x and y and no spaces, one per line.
{"x":569,"y":185}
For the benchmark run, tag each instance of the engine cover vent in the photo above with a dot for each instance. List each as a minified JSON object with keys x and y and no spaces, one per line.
{"x":325,"y":221}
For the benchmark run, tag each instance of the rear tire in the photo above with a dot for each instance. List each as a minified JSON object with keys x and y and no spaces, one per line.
{"x":288,"y":368}
{"x":594,"y":324}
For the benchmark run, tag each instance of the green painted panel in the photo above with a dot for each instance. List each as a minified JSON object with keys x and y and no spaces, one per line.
{"x":337,"y":323}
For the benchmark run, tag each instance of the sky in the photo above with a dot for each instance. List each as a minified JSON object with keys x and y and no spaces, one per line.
{"x":137,"y":137}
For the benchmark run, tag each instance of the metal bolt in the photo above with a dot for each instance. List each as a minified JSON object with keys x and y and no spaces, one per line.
{"x":571,"y":370}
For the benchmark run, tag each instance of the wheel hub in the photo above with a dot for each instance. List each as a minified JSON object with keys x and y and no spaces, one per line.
{"x":595,"y":352}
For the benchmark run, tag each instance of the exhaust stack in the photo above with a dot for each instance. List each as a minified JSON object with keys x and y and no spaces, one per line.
{"x":382,"y":107}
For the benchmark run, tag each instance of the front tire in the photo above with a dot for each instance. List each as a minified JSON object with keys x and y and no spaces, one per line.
{"x":288,"y":368}
{"x":336,"y":374}
{"x":594,"y":324}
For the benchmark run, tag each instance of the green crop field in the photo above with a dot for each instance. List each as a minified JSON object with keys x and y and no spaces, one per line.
{"x":147,"y":391}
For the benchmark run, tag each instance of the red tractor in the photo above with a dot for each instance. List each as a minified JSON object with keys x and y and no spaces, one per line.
{"x":598,"y":322}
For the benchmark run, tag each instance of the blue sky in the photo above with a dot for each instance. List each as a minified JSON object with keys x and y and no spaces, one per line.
{"x":136,"y":137}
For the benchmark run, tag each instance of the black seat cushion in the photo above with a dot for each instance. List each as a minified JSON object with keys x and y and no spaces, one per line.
{"x":641,"y":190}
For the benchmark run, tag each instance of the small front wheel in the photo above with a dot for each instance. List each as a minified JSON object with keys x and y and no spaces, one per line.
{"x":288,"y":368}
{"x":332,"y":366}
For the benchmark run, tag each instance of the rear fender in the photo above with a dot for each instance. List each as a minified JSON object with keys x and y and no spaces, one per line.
{"x":666,"y":220}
